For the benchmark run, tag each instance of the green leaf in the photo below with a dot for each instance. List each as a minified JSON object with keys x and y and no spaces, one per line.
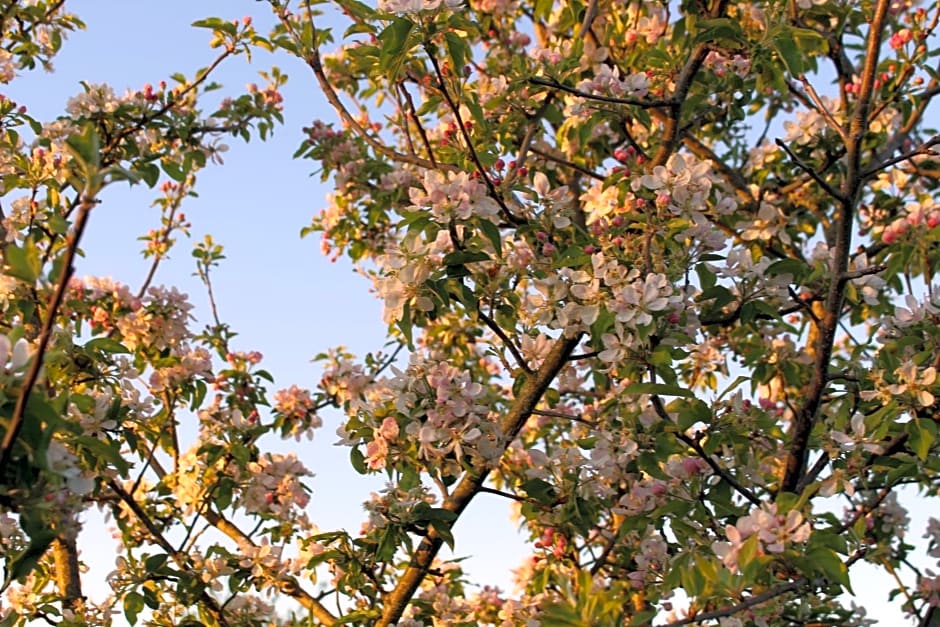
{"x":741,"y":379}
{"x":133,"y":605}
{"x":173,"y":170}
{"x":722,"y":29}
{"x":572,"y":257}
{"x":406,"y":326}
{"x":829,"y":540}
{"x":922,"y":433}
{"x":539,"y":490}
{"x":357,"y":9}
{"x":643,"y":618}
{"x":394,"y":40}
{"x":460,"y":257}
{"x":149,"y":173}
{"x":23,"y":263}
{"x":358,"y":460}
{"x":223,"y":494}
{"x":794,"y":268}
{"x":561,"y":614}
{"x":543,"y":9}
{"x":830,"y":566}
{"x":754,"y":309}
{"x":691,"y":412}
{"x":459,"y":50}
{"x":106,"y":345}
{"x":117,"y":173}
{"x":155,"y":562}
{"x":794,"y":47}
{"x":786,"y":48}
{"x":492,"y":233}
{"x":719,"y":293}
{"x":106,"y":452}
{"x":693,"y":580}
{"x":209,"y":22}
{"x":706,"y":277}
{"x":439,"y":513}
{"x":442,"y":529}
{"x":86,"y":148}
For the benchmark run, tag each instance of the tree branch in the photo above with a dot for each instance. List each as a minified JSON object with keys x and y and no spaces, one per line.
{"x":180,"y":559}
{"x":469,"y":485}
{"x":695,"y":446}
{"x":67,"y":572}
{"x":568,"y":164}
{"x":287,"y":585}
{"x":925,"y":148}
{"x":811,"y":172}
{"x":804,"y":419}
{"x":507,"y":341}
{"x":683,"y":84}
{"x":55,"y":301}
{"x":312,"y":59}
{"x":801,"y":583}
{"x":465,"y":132}
{"x":636,"y":102}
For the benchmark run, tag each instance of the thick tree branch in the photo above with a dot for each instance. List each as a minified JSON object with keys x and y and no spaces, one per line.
{"x":67,"y":571}
{"x":805,"y":418}
{"x":523,"y":406}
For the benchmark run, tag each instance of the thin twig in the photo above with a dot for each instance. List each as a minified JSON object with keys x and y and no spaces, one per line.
{"x":312,"y":59}
{"x":857,"y":274}
{"x":465,"y":133}
{"x":569,"y":164}
{"x":751,"y":601}
{"x":557,"y":414}
{"x":507,"y":495}
{"x":695,"y":446}
{"x":180,"y":559}
{"x":636,"y":102}
{"x":822,"y":109}
{"x":924,"y":149}
{"x":507,"y":342}
{"x":523,"y":151}
{"x":581,"y":356}
{"x":413,"y":114}
{"x":808,"y":170}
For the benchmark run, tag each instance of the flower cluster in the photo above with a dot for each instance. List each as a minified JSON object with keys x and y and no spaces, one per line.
{"x":775,"y":532}
{"x":274,"y":486}
{"x":298,"y":410}
{"x":417,"y":6}
{"x":453,"y":196}
{"x":608,"y":82}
